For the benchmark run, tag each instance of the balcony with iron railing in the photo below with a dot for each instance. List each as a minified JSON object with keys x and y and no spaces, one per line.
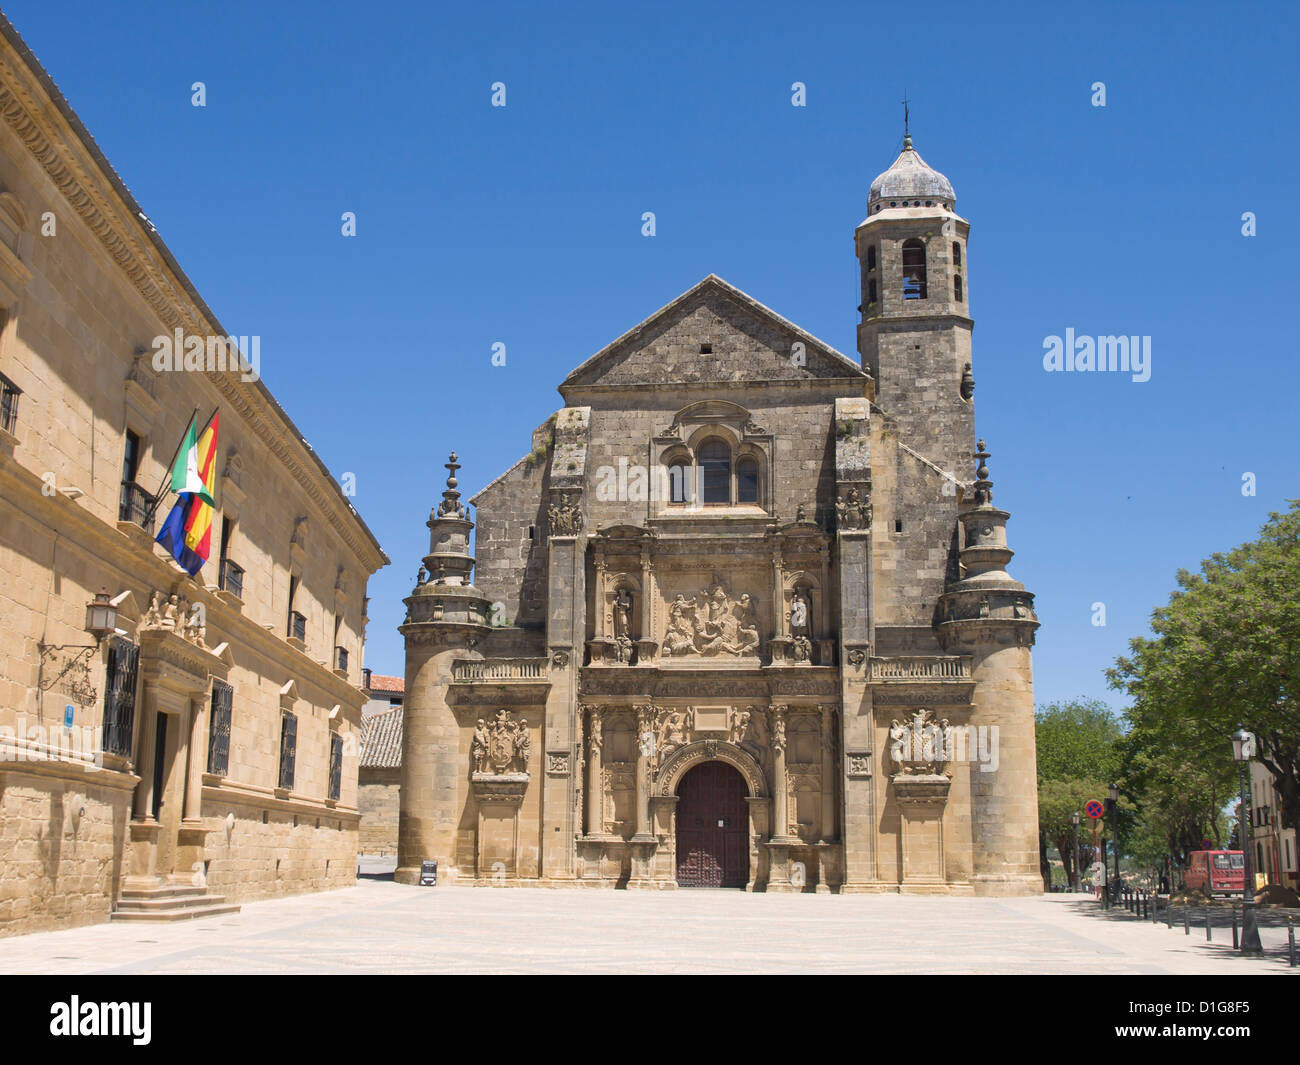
{"x":341,"y":659}
{"x":230,"y":578}
{"x":297,"y":627}
{"x":9,"y":393}
{"x":135,"y":506}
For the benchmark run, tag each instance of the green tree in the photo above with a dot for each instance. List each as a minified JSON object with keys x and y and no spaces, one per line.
{"x":1224,"y":653}
{"x":1078,"y":757}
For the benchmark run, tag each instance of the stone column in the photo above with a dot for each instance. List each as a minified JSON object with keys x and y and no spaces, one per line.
{"x":778,"y":597}
{"x":146,"y":754}
{"x":198,"y":753}
{"x":647,"y":616}
{"x":598,"y":593}
{"x":829,"y":772}
{"x":645,"y":720}
{"x":595,"y":790}
{"x":780,"y":799}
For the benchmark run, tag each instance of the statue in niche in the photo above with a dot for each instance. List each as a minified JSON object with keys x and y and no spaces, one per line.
{"x":622,"y":613}
{"x":171,"y":612}
{"x":800,"y":615}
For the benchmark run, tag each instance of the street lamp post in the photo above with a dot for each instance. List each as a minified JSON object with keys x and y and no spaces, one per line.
{"x":1074,"y":886}
{"x":1243,"y":750}
{"x":1114,"y":831}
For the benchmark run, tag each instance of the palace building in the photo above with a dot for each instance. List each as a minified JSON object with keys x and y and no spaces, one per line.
{"x":741,"y":618}
{"x":169,"y":745}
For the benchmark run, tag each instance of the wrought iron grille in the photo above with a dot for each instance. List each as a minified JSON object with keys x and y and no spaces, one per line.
{"x":231,"y":578}
{"x":223,"y":696}
{"x":336,"y":766}
{"x":288,"y":748}
{"x":119,"y":696}
{"x":297,"y":626}
{"x":341,"y":658}
{"x":135,"y":506}
{"x":9,"y":393}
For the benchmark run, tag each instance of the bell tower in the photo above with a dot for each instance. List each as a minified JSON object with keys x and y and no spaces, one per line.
{"x":915,"y":331}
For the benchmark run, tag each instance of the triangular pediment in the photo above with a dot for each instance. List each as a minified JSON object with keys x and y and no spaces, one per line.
{"x":745,"y":341}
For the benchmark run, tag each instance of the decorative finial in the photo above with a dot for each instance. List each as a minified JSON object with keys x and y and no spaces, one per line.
{"x":907,"y":132}
{"x":450,"y":507}
{"x":983,"y":486}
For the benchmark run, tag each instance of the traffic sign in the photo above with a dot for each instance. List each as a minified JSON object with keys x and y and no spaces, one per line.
{"x":1094,"y":809}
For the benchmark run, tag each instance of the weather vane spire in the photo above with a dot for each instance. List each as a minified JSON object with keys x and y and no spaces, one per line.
{"x":907,"y":123}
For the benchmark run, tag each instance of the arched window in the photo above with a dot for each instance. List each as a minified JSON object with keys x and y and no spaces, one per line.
{"x":956,"y":254}
{"x":871,"y":257}
{"x":746,"y":481}
{"x":956,"y":287}
{"x":715,"y":471}
{"x":914,"y":286}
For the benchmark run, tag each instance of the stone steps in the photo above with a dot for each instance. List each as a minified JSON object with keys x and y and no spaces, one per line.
{"x":169,"y":902}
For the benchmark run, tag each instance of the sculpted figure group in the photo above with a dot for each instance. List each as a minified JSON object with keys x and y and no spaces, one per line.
{"x":504,"y":746}
{"x":710,"y":624}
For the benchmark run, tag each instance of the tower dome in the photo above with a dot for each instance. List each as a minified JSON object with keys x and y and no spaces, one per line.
{"x":910,"y":182}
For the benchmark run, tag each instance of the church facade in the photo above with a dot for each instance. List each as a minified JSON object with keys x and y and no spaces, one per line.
{"x":742,"y":617}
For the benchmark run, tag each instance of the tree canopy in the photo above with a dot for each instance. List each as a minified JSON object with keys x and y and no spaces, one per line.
{"x":1224,"y":653}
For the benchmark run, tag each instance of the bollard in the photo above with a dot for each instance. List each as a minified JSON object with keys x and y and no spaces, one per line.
{"x":1187,"y":927}
{"x":1290,"y":938}
{"x":1235,"y":944}
{"x":1169,"y":912}
{"x":1207,"y":924}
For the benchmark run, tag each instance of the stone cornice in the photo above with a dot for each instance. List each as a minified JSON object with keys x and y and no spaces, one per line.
{"x":39,"y":116}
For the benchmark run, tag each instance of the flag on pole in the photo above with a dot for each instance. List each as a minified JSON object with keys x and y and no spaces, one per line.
{"x":187,"y":531}
{"x":187,"y":476}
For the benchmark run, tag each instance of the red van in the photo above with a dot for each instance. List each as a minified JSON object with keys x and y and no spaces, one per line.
{"x":1216,"y":872}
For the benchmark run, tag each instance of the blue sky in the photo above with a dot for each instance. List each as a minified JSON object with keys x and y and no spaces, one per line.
{"x":523,"y":225}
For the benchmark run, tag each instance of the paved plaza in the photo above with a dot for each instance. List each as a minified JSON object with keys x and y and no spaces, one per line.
{"x":381,"y":927}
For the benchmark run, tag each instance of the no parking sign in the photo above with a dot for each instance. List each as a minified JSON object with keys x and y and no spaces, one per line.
{"x":1094,"y":809}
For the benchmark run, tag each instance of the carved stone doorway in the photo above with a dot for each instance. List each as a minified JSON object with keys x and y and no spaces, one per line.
{"x":712,"y":827}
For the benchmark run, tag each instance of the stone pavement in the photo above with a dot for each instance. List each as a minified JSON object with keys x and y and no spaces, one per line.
{"x":382,"y":927}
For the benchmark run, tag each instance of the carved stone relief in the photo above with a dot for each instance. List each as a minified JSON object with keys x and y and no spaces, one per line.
{"x":711,"y":624}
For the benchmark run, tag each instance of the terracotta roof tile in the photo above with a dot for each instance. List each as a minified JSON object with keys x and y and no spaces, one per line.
{"x":380,"y":683}
{"x":381,"y":740}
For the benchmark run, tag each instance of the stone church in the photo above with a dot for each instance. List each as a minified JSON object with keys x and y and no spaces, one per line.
{"x":741,"y":618}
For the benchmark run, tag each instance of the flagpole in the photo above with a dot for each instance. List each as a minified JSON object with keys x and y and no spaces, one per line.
{"x":157,"y":498}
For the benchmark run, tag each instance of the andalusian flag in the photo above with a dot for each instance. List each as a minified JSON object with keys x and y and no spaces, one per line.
{"x":187,"y":470}
{"x":187,"y":532}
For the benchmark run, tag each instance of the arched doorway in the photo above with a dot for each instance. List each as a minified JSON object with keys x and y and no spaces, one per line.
{"x":712,"y":827}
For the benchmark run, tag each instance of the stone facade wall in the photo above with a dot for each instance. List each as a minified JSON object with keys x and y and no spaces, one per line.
{"x":77,"y":304}
{"x":831,"y":809}
{"x":379,"y":803}
{"x":62,"y":840}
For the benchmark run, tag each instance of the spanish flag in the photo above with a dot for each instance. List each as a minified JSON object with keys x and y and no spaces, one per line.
{"x":187,"y":532}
